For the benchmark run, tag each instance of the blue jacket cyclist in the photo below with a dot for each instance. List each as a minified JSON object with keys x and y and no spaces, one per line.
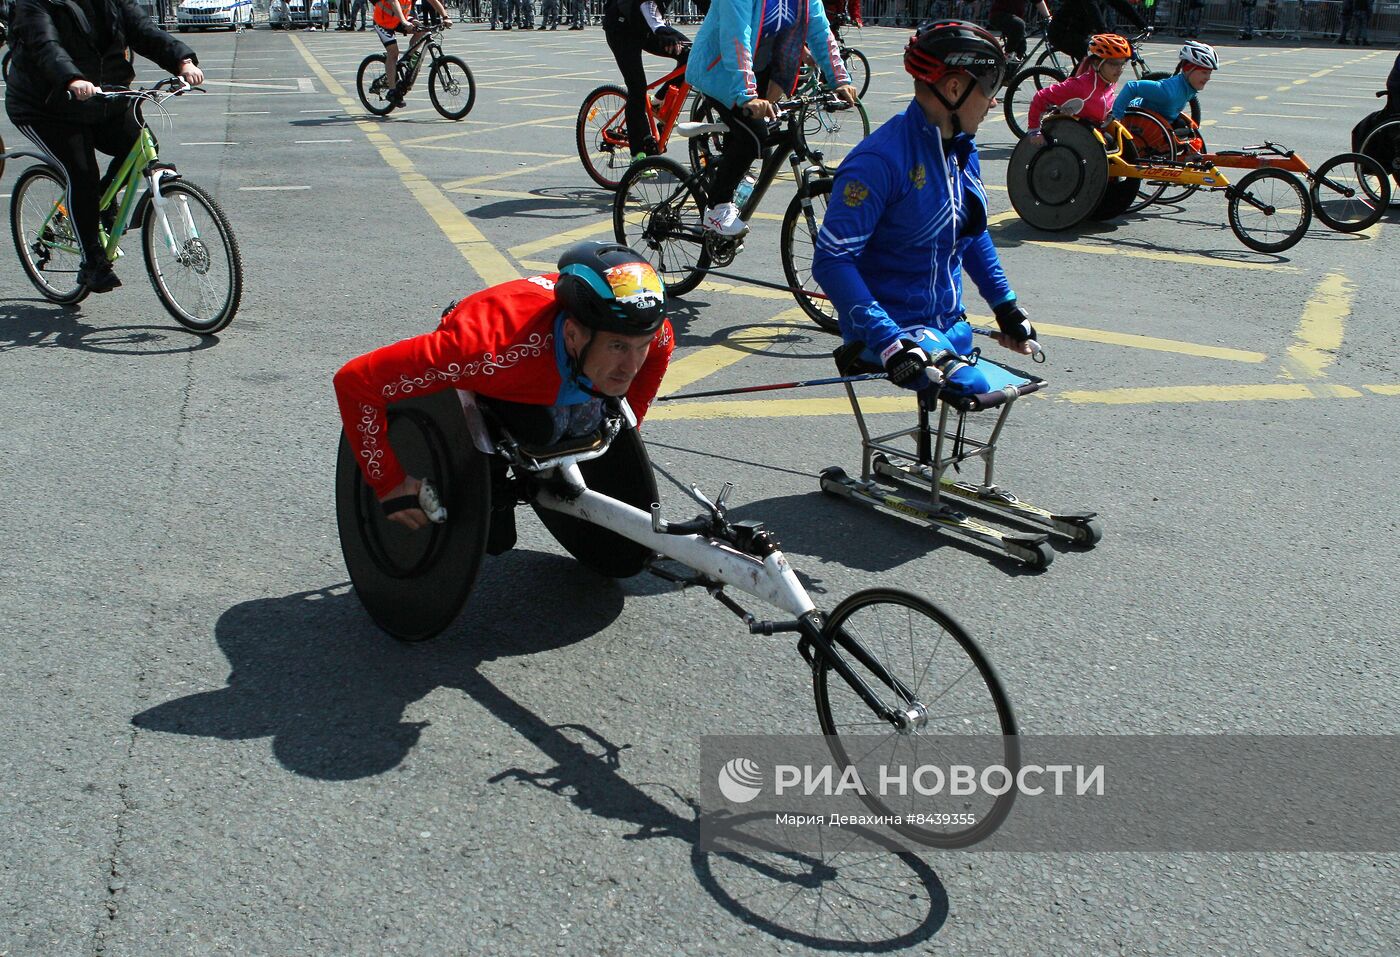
{"x":908,"y":214}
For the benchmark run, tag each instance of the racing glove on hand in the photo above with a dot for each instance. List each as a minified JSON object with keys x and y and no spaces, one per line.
{"x":905,"y":364}
{"x":1014,"y":322}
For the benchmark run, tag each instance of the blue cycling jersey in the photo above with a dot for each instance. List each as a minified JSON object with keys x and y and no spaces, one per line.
{"x":1167,"y":97}
{"x":907,"y":215}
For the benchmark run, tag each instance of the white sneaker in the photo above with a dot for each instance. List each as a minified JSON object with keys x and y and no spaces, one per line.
{"x":724,"y":219}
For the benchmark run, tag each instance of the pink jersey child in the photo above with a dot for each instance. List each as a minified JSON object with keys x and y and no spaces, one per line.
{"x":1092,"y":82}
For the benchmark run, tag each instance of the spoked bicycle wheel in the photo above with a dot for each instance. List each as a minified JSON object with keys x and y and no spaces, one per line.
{"x":193,"y":258}
{"x":1019,"y":91}
{"x":451,"y":87}
{"x":44,"y":236}
{"x":1057,"y":60}
{"x":798,"y":247}
{"x":1269,"y":210}
{"x":601,"y":134}
{"x":657,"y":212}
{"x":834,"y":131}
{"x":858,"y":68}
{"x":1350,"y":192}
{"x":918,"y":661}
{"x":1175,"y":193}
{"x":1153,"y":143}
{"x":372,"y":86}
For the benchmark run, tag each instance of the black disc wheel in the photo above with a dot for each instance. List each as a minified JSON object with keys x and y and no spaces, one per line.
{"x":798,"y":247}
{"x":623,"y":473}
{"x":1020,"y":89}
{"x":601,"y":135}
{"x":192,"y":257}
{"x":44,"y":236}
{"x":372,"y":86}
{"x":414,"y":583}
{"x":1269,"y":210}
{"x":658,"y":212}
{"x":451,"y":87}
{"x":1057,"y":183}
{"x":858,"y":68}
{"x":922,"y":666}
{"x":1350,"y":192}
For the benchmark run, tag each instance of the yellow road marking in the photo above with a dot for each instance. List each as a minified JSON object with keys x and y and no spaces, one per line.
{"x":1151,"y":343}
{"x":777,"y":408}
{"x":709,"y":360}
{"x":586,"y":231}
{"x":519,"y":171}
{"x":1168,"y":257}
{"x":1319,"y":334}
{"x":503,"y":126}
{"x":1392,"y":389}
{"x":475,"y":248}
{"x":1173,"y":394}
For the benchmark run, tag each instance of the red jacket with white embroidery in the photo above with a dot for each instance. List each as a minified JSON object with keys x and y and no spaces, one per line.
{"x":502,"y":342}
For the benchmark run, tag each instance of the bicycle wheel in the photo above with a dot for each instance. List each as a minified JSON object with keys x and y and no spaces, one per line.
{"x":44,"y":236}
{"x":1269,"y":210}
{"x":858,"y":68}
{"x":834,"y":132}
{"x":657,"y":212}
{"x":192,"y":257}
{"x":371,"y":85}
{"x":1176,"y":193}
{"x":1019,"y":91}
{"x":706,"y":149}
{"x":1057,"y":60}
{"x":601,"y":134}
{"x":451,"y":87}
{"x":1380,"y":146}
{"x":1153,"y":143}
{"x":1349,"y":192}
{"x":798,"y":246}
{"x":918,"y":661}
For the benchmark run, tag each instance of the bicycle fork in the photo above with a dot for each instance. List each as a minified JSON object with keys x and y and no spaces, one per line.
{"x":161,"y":204}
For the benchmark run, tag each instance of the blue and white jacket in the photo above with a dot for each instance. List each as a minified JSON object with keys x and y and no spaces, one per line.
{"x":1165,"y":97}
{"x":721,"y":59}
{"x":903,"y":222}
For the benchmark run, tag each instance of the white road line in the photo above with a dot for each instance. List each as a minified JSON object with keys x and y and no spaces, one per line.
{"x":321,"y":141}
{"x":269,"y":189}
{"x":249,"y":113}
{"x":211,"y":143}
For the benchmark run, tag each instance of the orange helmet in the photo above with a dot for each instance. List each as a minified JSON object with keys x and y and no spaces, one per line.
{"x":1110,"y":46}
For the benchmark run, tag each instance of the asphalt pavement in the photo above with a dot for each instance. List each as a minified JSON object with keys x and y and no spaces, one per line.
{"x":210,"y":749}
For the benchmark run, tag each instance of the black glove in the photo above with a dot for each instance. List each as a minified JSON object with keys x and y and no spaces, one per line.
{"x":1014,"y":322}
{"x":904,"y":362}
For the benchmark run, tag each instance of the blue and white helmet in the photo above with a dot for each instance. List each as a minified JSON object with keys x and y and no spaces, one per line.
{"x":1196,"y":53}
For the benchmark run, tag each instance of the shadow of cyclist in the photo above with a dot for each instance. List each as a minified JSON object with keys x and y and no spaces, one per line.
{"x":40,"y":324}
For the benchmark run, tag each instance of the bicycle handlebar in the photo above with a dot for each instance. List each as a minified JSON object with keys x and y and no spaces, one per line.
{"x":171,"y":86}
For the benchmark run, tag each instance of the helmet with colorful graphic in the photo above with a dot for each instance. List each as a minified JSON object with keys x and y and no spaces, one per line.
{"x":609,"y":288}
{"x":1197,"y":54}
{"x":1110,"y":46}
{"x":955,"y":46}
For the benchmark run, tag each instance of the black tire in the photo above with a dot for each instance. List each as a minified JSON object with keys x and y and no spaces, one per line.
{"x":706,"y":149}
{"x":1122,"y":191}
{"x":1019,"y":91}
{"x":413,"y":584}
{"x":1057,"y":60}
{"x":451,"y":87}
{"x":1178,"y":193}
{"x":623,"y":473}
{"x":1380,"y":144}
{"x":797,"y":247}
{"x":601,"y":135}
{"x":657,"y":212}
{"x":1152,"y":141}
{"x":964,"y":706}
{"x":211,"y":303}
{"x":373,"y":68}
{"x":1259,"y":197}
{"x":1349,"y":192}
{"x":50,"y":256}
{"x":858,"y":68}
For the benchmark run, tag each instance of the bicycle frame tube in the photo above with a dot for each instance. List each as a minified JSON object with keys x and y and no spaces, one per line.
{"x":784,"y":151}
{"x":661,"y":125}
{"x":143,"y":153}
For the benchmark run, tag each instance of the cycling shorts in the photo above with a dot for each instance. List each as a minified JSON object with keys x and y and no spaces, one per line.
{"x":388,"y":36}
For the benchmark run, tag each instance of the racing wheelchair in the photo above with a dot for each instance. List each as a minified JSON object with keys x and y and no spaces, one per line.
{"x":889,"y":669}
{"x":1378,"y":136}
{"x":919,"y":458}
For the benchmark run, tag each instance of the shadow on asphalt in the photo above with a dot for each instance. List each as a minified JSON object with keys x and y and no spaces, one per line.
{"x":310,"y":671}
{"x":38,"y":324}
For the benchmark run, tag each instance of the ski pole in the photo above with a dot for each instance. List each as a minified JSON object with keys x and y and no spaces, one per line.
{"x":837,"y":380}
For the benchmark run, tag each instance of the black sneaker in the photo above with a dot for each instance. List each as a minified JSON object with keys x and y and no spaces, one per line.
{"x":99,"y":278}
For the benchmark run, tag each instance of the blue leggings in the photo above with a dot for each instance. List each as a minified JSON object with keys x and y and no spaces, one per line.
{"x":958,"y":339}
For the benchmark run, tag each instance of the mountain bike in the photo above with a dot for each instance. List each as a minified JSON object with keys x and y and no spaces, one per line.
{"x":1016,"y":101}
{"x":601,"y":128}
{"x":189,"y":247}
{"x":451,"y":86}
{"x":660,"y":204}
{"x":857,"y":64}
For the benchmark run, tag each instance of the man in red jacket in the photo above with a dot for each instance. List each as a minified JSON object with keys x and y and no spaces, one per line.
{"x":555,"y":347}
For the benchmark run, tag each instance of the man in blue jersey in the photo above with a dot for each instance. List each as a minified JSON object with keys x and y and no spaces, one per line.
{"x":908,"y":214}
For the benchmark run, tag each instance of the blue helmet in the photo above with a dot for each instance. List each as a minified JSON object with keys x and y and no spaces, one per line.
{"x":609,"y":288}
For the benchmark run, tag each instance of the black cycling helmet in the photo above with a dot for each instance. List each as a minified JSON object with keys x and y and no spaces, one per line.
{"x":955,"y":46}
{"x":609,"y":288}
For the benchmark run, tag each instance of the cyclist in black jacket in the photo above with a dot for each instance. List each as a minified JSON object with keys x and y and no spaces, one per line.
{"x":632,"y":26}
{"x":1077,"y":20}
{"x":64,"y":52}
